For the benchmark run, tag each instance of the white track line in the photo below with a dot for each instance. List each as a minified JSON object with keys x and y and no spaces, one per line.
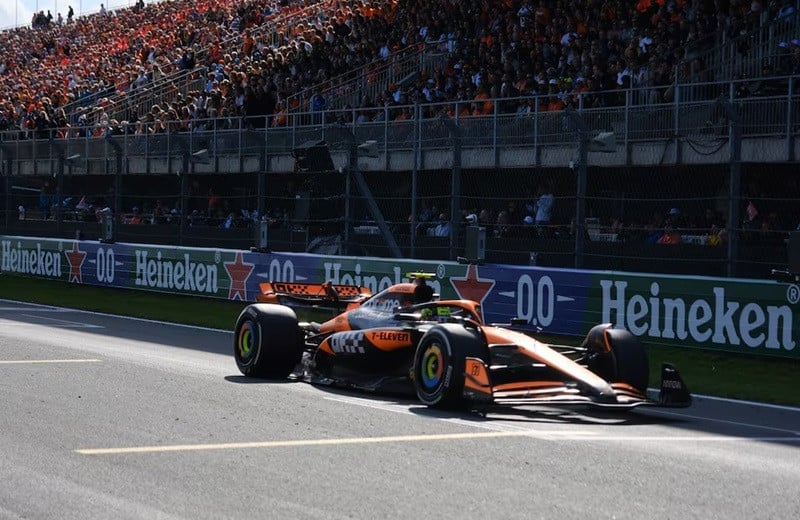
{"x":56,"y":308}
{"x":65,"y":323}
{"x":24,"y":309}
{"x":301,"y":443}
{"x":46,"y":361}
{"x":750,"y":403}
{"x":377,"y":404}
{"x":566,"y":436}
{"x":680,"y":438}
{"x":723,"y":421}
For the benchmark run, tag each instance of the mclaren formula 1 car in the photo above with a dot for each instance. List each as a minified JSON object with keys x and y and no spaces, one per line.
{"x":405,"y":339}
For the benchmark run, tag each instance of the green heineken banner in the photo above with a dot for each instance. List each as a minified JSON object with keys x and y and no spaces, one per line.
{"x":743,"y":316}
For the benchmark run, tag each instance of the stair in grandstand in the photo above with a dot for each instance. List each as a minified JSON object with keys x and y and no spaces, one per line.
{"x":128,"y":106}
{"x":366,"y":83}
{"x":745,"y":55}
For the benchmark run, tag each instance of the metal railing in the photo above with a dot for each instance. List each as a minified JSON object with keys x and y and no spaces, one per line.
{"x":132,"y":104}
{"x":352,"y":88}
{"x":745,"y":55}
{"x":771,"y":110}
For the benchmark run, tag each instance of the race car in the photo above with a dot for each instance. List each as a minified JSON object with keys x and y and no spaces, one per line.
{"x":404,"y":339}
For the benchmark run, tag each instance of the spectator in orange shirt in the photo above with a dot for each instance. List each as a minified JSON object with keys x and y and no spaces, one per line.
{"x":484,"y":105}
{"x":281,"y":117}
{"x":671,"y":236}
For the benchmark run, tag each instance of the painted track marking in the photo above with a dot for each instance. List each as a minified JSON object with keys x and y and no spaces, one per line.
{"x":566,"y":436}
{"x":46,"y":361}
{"x":120,"y":317}
{"x":376,"y":404}
{"x":302,"y":443}
{"x":678,"y":438}
{"x":32,"y":309}
{"x":64,"y":323}
{"x":723,"y":421}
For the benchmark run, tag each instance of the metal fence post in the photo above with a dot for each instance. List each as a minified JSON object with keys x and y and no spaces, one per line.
{"x":626,"y":117}
{"x":790,"y":121}
{"x":734,"y":188}
{"x":415,"y":164}
{"x":59,"y":192}
{"x":5,"y":164}
{"x":580,"y":195}
{"x":386,"y":140}
{"x":676,"y":115}
{"x":261,"y":187}
{"x":495,"y":150}
{"x":119,"y":161}
{"x":240,"y":135}
{"x":347,"y":211}
{"x":455,"y":184}
{"x":187,"y":167}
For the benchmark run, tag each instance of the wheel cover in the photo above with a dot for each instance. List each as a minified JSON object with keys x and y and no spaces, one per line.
{"x":246,"y":342}
{"x":432,"y":367}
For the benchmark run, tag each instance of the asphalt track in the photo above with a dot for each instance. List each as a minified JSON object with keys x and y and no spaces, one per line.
{"x":111,"y":418}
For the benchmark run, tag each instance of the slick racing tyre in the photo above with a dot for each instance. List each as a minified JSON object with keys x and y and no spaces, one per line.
{"x":440,"y":362}
{"x":267,"y":341}
{"x":626,"y":362}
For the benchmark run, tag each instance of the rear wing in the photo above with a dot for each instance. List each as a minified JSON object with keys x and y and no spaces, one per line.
{"x":288,"y":293}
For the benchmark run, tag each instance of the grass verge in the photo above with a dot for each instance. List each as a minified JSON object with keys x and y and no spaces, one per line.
{"x":706,"y":372}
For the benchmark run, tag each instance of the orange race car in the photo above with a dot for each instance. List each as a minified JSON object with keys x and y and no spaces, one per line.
{"x":404,"y":339}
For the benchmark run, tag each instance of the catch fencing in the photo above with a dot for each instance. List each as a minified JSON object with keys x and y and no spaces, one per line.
{"x":714,"y":174}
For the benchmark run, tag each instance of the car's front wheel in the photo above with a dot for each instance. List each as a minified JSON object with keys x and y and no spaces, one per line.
{"x":440,"y":364}
{"x":619,"y":358}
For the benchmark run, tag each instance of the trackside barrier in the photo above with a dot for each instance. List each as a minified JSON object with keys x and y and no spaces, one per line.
{"x":731,"y":315}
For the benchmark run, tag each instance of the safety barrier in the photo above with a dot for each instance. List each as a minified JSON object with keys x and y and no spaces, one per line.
{"x":732,"y":315}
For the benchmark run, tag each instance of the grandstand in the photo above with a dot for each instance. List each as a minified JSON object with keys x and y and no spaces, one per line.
{"x":139,"y":89}
{"x":123,"y":62}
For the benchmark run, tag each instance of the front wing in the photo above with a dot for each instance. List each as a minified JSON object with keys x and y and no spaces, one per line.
{"x":672,"y":392}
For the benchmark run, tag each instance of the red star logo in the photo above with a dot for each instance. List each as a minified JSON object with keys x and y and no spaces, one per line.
{"x":239,"y":272}
{"x":471,"y":287}
{"x":75,"y":258}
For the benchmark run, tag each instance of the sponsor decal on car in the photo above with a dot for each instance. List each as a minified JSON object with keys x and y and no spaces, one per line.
{"x":389,"y":335}
{"x":347,"y":343}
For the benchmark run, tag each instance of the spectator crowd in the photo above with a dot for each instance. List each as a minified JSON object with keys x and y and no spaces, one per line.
{"x":258,"y":55}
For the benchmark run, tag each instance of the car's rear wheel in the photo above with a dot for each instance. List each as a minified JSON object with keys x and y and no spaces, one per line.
{"x":267,"y":341}
{"x":624,"y":361}
{"x":440,"y":363}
